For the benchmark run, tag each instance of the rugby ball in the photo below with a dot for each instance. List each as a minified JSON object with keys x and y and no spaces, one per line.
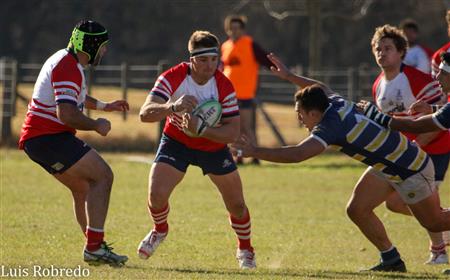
{"x":209,"y":114}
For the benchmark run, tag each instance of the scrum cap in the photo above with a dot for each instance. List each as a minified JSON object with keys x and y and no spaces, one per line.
{"x":88,"y":37}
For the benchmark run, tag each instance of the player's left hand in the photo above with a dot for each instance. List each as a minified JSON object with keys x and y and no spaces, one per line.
{"x":118,"y":105}
{"x":243,"y":147}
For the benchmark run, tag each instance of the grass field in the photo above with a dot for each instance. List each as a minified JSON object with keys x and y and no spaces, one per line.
{"x":300,"y":229}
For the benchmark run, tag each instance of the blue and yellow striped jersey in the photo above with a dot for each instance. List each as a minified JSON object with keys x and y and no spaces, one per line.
{"x":354,"y":134}
{"x":442,"y":117}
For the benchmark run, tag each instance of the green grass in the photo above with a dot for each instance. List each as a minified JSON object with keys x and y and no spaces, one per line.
{"x":299,"y":226}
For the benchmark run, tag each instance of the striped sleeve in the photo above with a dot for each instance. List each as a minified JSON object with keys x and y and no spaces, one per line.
{"x":442,"y":117}
{"x":66,"y":82}
{"x":162,"y":88}
{"x":168,"y":82}
{"x":227,"y":96}
{"x":431,"y":93}
{"x":230,"y":106}
{"x":423,"y":86}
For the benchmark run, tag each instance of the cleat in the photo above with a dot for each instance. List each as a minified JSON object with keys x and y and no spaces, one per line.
{"x":149,"y":244}
{"x":398,"y":266}
{"x":437,"y":258}
{"x":104,"y":255}
{"x":246,"y":259}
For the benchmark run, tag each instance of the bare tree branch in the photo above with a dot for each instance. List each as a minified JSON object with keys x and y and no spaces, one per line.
{"x":283,"y":15}
{"x":300,"y":13}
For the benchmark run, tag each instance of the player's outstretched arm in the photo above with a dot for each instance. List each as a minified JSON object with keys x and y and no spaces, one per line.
{"x":421,"y":125}
{"x":306,"y":149}
{"x":280,"y":70}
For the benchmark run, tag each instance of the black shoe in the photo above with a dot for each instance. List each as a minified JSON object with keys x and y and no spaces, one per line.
{"x":398,"y":266}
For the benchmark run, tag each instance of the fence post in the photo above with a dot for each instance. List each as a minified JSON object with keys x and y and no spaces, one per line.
{"x":14,"y":92}
{"x":351,"y":84}
{"x":124,"y":85}
{"x":162,"y":66}
{"x":8,"y":80}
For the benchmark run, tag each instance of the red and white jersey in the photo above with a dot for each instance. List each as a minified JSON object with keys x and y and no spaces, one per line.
{"x":436,"y":59}
{"x":60,"y":80}
{"x":394,"y":97}
{"x":177,"y":82}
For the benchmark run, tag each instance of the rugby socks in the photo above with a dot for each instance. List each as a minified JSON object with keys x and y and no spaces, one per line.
{"x":159,"y":217}
{"x":390,"y":256}
{"x":438,"y":249}
{"x":94,"y":238}
{"x":242,"y":228}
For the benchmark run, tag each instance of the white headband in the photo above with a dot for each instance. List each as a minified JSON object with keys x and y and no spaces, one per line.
{"x":445,"y":67}
{"x":205,"y":51}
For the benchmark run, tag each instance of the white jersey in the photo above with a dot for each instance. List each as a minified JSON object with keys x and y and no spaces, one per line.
{"x":418,"y":58}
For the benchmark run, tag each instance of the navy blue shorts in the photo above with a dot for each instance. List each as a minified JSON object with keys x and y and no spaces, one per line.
{"x":179,"y":156}
{"x":56,"y":152}
{"x":246,"y":103}
{"x":440,"y":163}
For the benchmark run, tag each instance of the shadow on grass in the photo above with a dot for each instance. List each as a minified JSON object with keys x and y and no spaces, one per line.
{"x":304,"y":165}
{"x":263,"y":273}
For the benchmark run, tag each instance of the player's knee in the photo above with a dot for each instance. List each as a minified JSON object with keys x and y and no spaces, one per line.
{"x":105,"y":177}
{"x":108,"y":176}
{"x":356,"y":211}
{"x":157,"y":197}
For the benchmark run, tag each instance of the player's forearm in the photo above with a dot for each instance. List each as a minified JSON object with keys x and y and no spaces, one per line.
{"x":76,"y":119}
{"x":227,"y":133}
{"x":421,"y":125}
{"x":286,"y":154}
{"x":155,"y":112}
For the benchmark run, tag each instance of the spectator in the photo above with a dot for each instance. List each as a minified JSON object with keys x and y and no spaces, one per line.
{"x":241,"y":57}
{"x":417,"y":55}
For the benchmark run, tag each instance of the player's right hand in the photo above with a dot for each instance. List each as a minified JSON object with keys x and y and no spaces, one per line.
{"x":103,"y":126}
{"x":186,"y":103}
